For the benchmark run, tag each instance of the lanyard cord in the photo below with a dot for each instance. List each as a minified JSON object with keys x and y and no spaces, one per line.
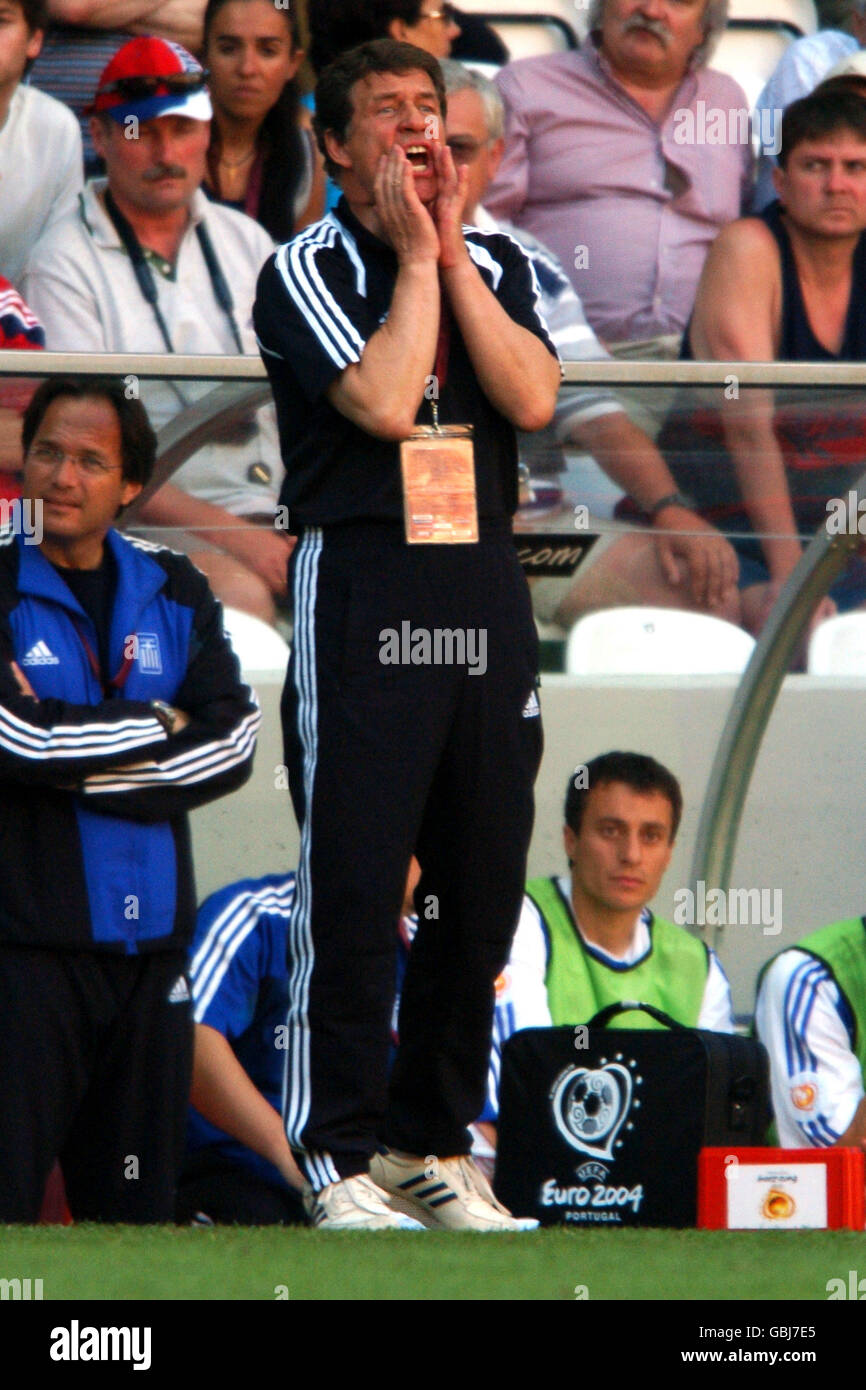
{"x":219,"y":282}
{"x":147,"y":284}
{"x":443,"y":349}
{"x":117,"y":681}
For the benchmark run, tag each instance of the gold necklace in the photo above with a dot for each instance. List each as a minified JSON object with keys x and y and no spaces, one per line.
{"x":236,"y":163}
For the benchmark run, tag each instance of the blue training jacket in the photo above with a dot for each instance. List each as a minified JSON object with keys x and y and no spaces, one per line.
{"x":94,"y":838}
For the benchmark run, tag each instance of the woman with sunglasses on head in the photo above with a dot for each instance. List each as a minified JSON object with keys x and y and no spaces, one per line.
{"x":262,"y":156}
{"x":336,"y":25}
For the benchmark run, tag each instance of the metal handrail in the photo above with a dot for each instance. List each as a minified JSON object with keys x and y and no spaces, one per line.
{"x":243,"y":386}
{"x":154,"y":365}
{"x":715,"y":843}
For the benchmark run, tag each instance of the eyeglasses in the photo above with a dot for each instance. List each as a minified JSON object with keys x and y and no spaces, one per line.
{"x":175,"y":84}
{"x":49,"y":457}
{"x":464,"y":151}
{"x":448,"y":14}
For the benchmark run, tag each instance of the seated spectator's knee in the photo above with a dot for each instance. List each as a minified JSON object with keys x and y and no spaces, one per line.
{"x":234,"y":585}
{"x":629,"y":572}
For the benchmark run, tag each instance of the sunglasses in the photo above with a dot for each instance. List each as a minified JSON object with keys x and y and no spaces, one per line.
{"x":175,"y":84}
{"x":446,"y":12}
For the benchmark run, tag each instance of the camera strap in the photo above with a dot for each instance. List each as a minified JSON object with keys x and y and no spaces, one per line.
{"x":147,"y":284}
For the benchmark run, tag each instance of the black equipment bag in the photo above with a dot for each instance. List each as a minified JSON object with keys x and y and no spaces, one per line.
{"x":603,"y":1126}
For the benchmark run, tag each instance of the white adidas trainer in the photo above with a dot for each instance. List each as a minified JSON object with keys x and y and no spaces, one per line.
{"x":355,"y":1204}
{"x":451,"y":1193}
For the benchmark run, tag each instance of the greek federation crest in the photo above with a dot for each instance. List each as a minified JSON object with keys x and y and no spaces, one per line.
{"x":149,"y":656}
{"x":590,"y":1106}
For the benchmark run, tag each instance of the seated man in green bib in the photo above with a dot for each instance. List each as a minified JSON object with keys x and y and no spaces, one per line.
{"x":587,"y":938}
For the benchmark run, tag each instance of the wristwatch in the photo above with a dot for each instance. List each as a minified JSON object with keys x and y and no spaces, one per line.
{"x":672,"y":499}
{"x":165,"y":714}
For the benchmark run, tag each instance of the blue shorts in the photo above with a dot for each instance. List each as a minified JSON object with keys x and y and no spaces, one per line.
{"x":848,"y":592}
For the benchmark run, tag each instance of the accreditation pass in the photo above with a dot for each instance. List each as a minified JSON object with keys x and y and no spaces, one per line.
{"x":440,"y":506}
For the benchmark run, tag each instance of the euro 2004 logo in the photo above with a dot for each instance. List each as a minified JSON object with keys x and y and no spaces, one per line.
{"x":591,"y":1105}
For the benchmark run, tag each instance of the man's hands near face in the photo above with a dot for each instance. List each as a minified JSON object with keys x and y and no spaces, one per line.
{"x":450,"y":202}
{"x":416,"y":232}
{"x":406,"y":223}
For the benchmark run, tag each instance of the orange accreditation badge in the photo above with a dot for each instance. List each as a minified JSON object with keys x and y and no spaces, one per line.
{"x":439,"y":500}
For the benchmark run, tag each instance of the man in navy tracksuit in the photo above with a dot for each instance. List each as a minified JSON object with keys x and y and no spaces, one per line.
{"x":121,"y":708}
{"x":366,"y":320}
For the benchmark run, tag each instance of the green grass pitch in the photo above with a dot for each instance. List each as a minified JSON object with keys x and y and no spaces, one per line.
{"x":117,"y":1262}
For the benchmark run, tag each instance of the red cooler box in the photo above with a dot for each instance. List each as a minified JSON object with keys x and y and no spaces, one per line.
{"x":780,"y":1189}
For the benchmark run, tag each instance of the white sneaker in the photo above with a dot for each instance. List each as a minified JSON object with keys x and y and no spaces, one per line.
{"x":355,"y":1204}
{"x":452,"y":1192}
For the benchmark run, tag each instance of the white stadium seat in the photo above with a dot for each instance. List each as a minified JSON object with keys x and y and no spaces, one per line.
{"x":257,"y":645}
{"x":554,"y":25}
{"x":750,"y":55}
{"x":838,"y":646}
{"x":655,"y":641}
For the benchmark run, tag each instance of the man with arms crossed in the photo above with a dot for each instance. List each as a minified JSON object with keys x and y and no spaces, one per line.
{"x":597,"y":167}
{"x":364,"y":320}
{"x":121,"y":708}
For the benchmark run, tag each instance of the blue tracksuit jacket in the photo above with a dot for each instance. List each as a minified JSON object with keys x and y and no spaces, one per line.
{"x":94,"y":838}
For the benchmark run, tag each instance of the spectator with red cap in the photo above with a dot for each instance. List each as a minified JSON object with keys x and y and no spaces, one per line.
{"x":83,"y":35}
{"x":147,"y":265}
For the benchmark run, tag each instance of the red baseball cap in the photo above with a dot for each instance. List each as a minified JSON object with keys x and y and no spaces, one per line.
{"x":150,"y":77}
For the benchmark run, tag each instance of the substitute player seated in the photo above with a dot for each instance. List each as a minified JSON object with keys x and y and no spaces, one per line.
{"x":588,"y":938}
{"x":239,"y":1167}
{"x":811,"y":1017}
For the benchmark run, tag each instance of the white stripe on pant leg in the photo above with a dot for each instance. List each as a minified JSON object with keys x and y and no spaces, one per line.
{"x":298,"y":1053}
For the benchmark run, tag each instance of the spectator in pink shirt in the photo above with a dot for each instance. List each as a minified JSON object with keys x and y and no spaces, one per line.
{"x":606,"y":162}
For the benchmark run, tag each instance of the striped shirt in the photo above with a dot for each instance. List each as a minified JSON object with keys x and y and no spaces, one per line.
{"x":19,"y":326}
{"x":239,"y":981}
{"x":570,"y":334}
{"x":240,"y":988}
{"x":807,"y":1027}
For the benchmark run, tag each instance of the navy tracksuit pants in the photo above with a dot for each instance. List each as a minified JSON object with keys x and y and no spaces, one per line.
{"x":394,"y":745}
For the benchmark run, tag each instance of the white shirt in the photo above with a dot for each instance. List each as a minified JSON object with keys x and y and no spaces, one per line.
{"x":40,"y":174}
{"x":560,"y":306}
{"x":521,"y":992}
{"x":801,"y":67}
{"x":80,"y":282}
{"x":815,"y":1077}
{"x":530,"y":955}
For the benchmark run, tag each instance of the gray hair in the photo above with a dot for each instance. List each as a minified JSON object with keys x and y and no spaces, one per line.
{"x":461,"y":79}
{"x":715,"y":21}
